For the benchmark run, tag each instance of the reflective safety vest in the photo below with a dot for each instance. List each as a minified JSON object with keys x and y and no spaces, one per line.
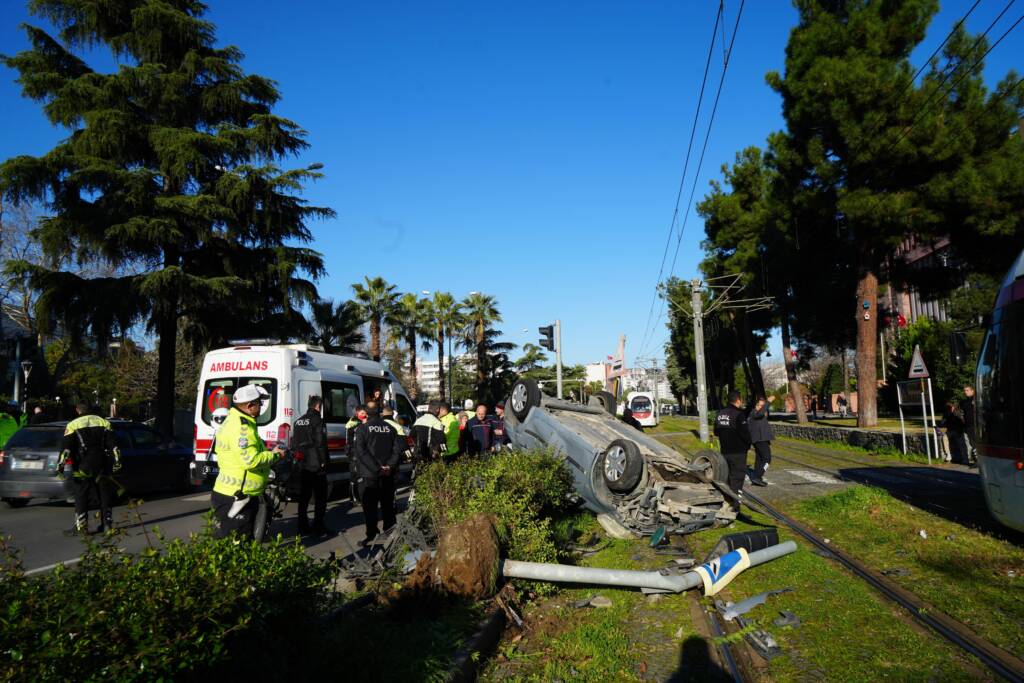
{"x":451,"y":433}
{"x":398,"y":428}
{"x":241,"y":455}
{"x":8,"y":425}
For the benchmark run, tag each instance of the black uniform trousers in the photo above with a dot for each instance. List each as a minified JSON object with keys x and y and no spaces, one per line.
{"x":242,"y":524}
{"x":762,"y":458}
{"x":378,"y":492}
{"x":737,"y":472}
{"x":87,"y":488}
{"x":313,"y":485}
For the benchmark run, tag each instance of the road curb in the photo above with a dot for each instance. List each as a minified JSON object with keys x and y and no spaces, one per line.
{"x":481,"y":643}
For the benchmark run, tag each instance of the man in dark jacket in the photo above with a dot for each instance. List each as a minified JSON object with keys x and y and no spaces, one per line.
{"x":501,"y":437}
{"x":428,"y":433}
{"x":627,"y":417}
{"x":734,"y":440}
{"x":761,"y":437}
{"x":378,"y":449}
{"x":90,"y":452}
{"x":480,"y":432}
{"x":309,"y":441}
{"x":967,"y":411}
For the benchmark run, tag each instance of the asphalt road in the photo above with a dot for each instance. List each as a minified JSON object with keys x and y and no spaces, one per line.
{"x":37,"y":530}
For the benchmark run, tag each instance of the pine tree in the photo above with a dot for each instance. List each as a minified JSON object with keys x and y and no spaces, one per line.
{"x":169,"y":172}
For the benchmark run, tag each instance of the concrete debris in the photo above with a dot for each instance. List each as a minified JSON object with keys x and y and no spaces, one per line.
{"x":896,"y":571}
{"x":600,"y":601}
{"x":951,"y":537}
{"x":580,"y":604}
{"x":923,"y":534}
{"x":654,"y":597}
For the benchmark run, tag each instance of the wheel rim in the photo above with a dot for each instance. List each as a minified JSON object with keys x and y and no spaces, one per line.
{"x":614,"y":463}
{"x":705,"y":465}
{"x":519,"y":398}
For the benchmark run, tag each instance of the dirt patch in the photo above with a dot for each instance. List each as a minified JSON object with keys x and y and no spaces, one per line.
{"x":468,"y":556}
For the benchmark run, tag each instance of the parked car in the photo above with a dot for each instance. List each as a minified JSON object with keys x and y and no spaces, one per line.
{"x":635,"y":484}
{"x":28,"y":463}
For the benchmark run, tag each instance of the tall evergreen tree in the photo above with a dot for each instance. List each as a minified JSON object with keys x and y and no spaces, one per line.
{"x":169,"y":169}
{"x":871,"y":157}
{"x":445,"y":320}
{"x":376,"y":297}
{"x":481,"y":313}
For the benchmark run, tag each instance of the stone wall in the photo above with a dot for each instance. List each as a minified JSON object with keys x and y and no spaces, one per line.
{"x":863,"y":438}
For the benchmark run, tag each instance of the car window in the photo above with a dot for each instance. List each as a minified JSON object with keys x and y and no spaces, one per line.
{"x":340,"y":401}
{"x":146,"y":438}
{"x":217,"y":394}
{"x":35,"y":437}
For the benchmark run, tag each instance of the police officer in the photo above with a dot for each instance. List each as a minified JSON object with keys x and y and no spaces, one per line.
{"x":734,"y":440}
{"x":90,"y":451}
{"x":244,"y":463}
{"x":378,"y":449}
{"x":452,"y":434}
{"x":309,"y":441}
{"x":428,"y":432}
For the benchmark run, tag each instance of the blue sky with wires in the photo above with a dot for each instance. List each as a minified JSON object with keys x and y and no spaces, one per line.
{"x":532,"y":151}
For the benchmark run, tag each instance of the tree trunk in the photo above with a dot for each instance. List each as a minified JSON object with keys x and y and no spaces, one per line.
{"x":440,"y":362}
{"x":752,"y":361}
{"x":846,"y":380}
{"x":375,"y":337}
{"x":481,"y":364}
{"x":410,"y":339}
{"x":787,"y":358}
{"x":167,"y":331}
{"x":867,"y":342}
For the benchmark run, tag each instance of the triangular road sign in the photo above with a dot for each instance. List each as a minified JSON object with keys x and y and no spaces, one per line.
{"x":918,"y":370}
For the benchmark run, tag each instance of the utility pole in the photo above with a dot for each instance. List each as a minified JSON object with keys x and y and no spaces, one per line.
{"x":558,"y":358}
{"x":698,"y":344}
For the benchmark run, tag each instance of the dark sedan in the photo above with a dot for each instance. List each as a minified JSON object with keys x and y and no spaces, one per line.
{"x":28,"y":462}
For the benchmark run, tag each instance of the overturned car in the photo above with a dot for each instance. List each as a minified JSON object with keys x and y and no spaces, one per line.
{"x":632,"y":482}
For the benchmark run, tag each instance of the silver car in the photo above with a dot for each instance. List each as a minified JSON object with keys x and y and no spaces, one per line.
{"x":632,"y":482}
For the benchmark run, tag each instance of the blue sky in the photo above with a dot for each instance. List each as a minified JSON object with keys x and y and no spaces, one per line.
{"x":527,"y":150}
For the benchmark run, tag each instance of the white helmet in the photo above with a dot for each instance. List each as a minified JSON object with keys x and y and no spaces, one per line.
{"x":249,"y":393}
{"x":468,"y":404}
{"x":220,"y":415}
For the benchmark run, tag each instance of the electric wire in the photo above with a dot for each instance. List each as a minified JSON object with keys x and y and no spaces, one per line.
{"x":700,"y":162}
{"x":686,"y":165}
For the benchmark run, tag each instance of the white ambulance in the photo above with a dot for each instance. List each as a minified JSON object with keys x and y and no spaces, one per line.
{"x":644,"y":407}
{"x":291,"y":373}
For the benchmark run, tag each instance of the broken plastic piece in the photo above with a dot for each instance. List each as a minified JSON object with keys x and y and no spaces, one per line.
{"x":762,"y":641}
{"x":658,"y":536}
{"x":733,"y":610}
{"x":896,"y":571}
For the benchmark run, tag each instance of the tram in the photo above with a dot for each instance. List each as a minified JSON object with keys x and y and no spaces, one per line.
{"x":1000,"y":403}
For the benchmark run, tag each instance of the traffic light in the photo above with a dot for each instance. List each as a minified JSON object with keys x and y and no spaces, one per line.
{"x":547,"y":339}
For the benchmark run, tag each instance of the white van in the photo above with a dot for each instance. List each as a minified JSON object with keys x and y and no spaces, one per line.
{"x":644,"y":407}
{"x":291,"y":373}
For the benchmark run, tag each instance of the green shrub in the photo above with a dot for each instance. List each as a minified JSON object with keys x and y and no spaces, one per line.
{"x":525,"y":490}
{"x":190,"y":609}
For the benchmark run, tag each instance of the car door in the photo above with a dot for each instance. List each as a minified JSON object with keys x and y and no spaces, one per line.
{"x":154,"y":462}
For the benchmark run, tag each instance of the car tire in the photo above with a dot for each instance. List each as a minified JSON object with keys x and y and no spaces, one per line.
{"x":603,"y":399}
{"x":525,"y":395}
{"x":185,"y":482}
{"x":622,"y":466}
{"x":16,"y":502}
{"x":712,"y":464}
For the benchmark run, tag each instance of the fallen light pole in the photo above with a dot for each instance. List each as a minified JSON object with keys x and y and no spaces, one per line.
{"x":650,"y":580}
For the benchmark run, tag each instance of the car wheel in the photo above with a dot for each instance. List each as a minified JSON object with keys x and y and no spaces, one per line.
{"x":622,"y":466}
{"x":525,"y":395}
{"x":712,"y":464}
{"x":603,"y":399}
{"x":16,"y":502}
{"x":185,"y":482}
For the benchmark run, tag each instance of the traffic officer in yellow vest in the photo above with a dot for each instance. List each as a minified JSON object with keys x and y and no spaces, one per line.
{"x":89,"y":451}
{"x":452,"y":433}
{"x":244,"y":463}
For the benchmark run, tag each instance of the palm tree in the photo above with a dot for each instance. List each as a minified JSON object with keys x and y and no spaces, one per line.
{"x":533,"y":357}
{"x":338,"y":329}
{"x":445,"y":317}
{"x":481,"y":312}
{"x":376,"y":299}
{"x":410,"y":321}
{"x":499,"y":375}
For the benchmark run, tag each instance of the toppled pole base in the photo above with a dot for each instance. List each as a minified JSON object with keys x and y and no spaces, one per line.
{"x":709,"y":574}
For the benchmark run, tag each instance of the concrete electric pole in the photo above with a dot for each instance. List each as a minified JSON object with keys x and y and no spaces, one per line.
{"x":698,"y":345}
{"x":558,"y":358}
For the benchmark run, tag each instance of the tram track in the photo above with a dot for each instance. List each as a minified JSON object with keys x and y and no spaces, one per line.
{"x":1002,"y":663}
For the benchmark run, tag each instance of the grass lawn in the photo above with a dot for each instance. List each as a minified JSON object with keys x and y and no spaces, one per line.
{"x":971,"y":576}
{"x":885,"y":424}
{"x":637,"y":638}
{"x":848,"y":632}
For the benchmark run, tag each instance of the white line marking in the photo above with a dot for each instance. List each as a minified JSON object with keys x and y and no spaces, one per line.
{"x":815,"y":477}
{"x":195,"y":499}
{"x":48,"y":567}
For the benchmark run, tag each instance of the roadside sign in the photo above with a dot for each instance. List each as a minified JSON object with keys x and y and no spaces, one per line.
{"x":918,"y":370}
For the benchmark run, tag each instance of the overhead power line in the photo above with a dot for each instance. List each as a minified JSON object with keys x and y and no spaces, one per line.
{"x":686,"y":165}
{"x":700,"y":163}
